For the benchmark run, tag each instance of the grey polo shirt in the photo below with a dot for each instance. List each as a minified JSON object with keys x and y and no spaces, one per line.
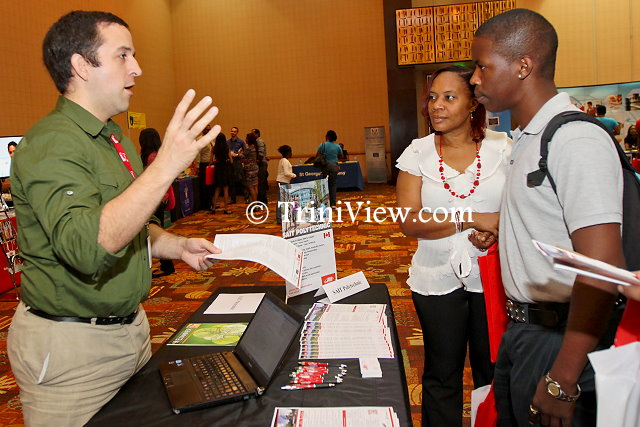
{"x":588,"y":177}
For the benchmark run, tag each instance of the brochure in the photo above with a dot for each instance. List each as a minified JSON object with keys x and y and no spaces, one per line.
{"x":227,"y":334}
{"x":274,"y":252}
{"x":564,"y":259}
{"x":306,"y":223}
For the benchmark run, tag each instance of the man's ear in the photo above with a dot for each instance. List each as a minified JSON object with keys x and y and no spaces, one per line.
{"x":526,"y":67}
{"x":79,"y":66}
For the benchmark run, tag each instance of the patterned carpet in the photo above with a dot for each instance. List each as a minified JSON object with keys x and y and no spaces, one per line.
{"x":380,"y":250}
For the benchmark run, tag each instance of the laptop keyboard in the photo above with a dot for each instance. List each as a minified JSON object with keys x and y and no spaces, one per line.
{"x":216,"y":375}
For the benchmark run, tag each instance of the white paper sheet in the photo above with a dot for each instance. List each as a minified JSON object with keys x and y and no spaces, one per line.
{"x":345,"y":287}
{"x":235,"y":304}
{"x":618,"y":385}
{"x":365,"y":416}
{"x":275,"y":253}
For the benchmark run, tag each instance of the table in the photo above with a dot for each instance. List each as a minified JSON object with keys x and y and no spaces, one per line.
{"x":143,"y":399}
{"x":349,"y":175}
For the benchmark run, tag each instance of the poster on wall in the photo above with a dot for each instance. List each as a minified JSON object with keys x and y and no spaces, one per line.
{"x":136,"y":120}
{"x":622,"y":101}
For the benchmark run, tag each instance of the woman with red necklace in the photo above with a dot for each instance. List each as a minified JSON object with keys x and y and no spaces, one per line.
{"x":460,"y":166}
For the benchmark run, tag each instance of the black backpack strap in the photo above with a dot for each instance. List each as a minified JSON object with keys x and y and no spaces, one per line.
{"x":537,"y":177}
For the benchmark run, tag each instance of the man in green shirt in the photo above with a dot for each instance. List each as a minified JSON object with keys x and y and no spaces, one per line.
{"x":83,"y":207}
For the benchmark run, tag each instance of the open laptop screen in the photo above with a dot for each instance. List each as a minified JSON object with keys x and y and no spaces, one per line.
{"x":266,"y":341}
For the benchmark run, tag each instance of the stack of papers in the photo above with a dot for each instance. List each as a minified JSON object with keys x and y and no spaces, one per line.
{"x":346,"y":331}
{"x":357,"y":416}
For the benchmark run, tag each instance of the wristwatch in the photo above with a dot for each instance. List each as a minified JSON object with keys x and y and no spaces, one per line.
{"x":554,"y":389}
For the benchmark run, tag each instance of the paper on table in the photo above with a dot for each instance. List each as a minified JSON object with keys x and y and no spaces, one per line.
{"x":565,"y":259}
{"x":354,"y":416}
{"x":275,"y":253}
{"x":370,"y":367}
{"x":235,"y":304}
{"x":345,"y":287}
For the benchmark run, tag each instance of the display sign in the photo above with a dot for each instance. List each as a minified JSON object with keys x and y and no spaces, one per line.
{"x":374,"y":147}
{"x":136,"y":120}
{"x":306,"y":222}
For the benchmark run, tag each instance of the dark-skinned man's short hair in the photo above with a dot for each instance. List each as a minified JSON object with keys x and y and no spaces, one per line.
{"x":75,"y":32}
{"x":519,"y":32}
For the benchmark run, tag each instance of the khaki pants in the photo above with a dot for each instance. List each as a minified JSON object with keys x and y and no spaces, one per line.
{"x":67,"y":371}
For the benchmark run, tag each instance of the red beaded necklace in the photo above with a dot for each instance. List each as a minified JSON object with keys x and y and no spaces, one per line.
{"x":476,"y":182}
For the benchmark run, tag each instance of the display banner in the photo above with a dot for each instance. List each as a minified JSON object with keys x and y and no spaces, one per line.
{"x":622,"y":101}
{"x":306,"y":222}
{"x":185,"y":190}
{"x":375,"y":154}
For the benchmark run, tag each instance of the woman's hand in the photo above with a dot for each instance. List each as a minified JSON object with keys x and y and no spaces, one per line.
{"x":482,"y":239}
{"x":483,"y":221}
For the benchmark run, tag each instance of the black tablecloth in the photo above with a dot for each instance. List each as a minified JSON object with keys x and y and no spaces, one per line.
{"x":143,"y":400}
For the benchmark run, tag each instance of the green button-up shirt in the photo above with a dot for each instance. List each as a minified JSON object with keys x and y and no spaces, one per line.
{"x":63,"y":172}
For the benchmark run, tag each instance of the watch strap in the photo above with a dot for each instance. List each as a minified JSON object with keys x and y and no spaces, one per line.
{"x":561,"y":393}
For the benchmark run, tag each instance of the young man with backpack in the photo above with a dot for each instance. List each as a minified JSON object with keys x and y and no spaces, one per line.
{"x":542,"y":373}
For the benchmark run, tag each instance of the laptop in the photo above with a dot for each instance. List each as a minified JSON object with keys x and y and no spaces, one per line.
{"x":223,"y":377}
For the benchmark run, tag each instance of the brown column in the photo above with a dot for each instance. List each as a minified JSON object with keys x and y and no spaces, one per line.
{"x":401,"y":88}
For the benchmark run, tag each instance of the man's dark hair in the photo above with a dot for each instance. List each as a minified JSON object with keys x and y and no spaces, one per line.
{"x":519,"y":32}
{"x":332,"y":136}
{"x":12,"y":144}
{"x":256,"y":132}
{"x":76,"y":32}
{"x":601,"y":110}
{"x":479,"y":116}
{"x":285,"y":150}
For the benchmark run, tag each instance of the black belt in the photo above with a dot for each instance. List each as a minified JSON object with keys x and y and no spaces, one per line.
{"x":111,"y":320}
{"x":548,"y":314}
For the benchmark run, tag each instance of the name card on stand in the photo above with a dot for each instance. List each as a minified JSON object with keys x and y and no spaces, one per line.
{"x":346,"y":287}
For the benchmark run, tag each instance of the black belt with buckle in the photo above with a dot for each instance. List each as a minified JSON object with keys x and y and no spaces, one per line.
{"x":110,"y":320}
{"x":547,"y":314}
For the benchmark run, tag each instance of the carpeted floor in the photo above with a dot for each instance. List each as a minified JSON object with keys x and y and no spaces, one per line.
{"x":380,"y":250}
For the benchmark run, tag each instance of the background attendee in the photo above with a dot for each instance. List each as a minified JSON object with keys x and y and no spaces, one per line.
{"x":263,"y":167}
{"x":631,"y":140}
{"x":543,"y":354}
{"x":204,"y":160}
{"x":345,"y":155}
{"x":11,"y":147}
{"x":237,"y":186}
{"x":150,"y":143}
{"x":285,"y":174}
{"x":612,"y":124}
{"x":331,"y":151}
{"x":250,"y":164}
{"x":460,"y":166}
{"x":222,"y":173}
{"x":83,"y":205}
